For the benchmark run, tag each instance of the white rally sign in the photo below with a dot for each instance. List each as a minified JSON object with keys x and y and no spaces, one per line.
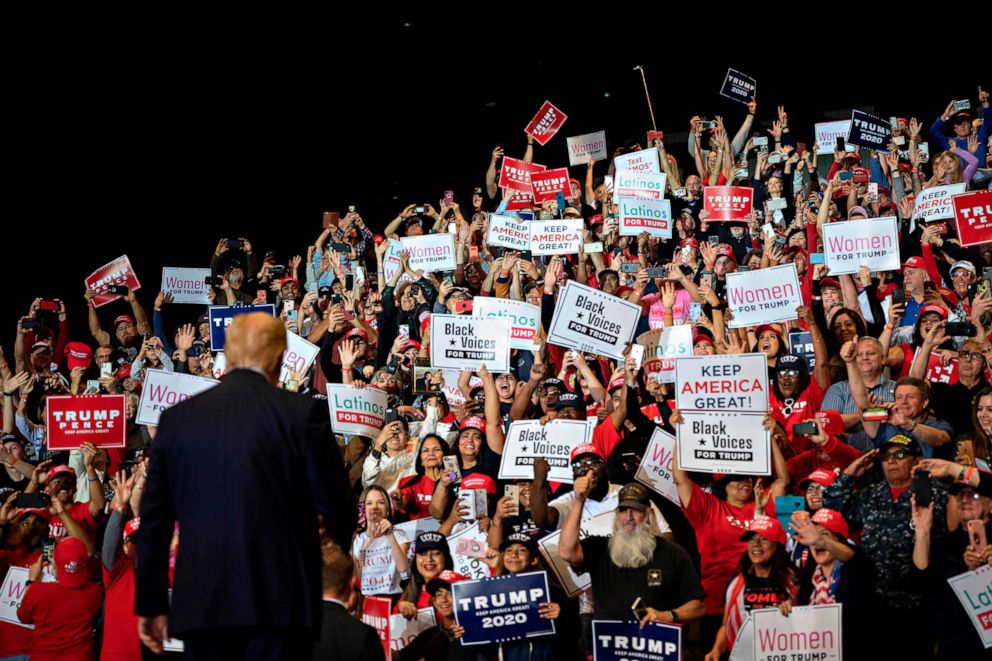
{"x":583,"y":147}
{"x":645,"y":185}
{"x":730,"y":382}
{"x":186,"y":285}
{"x":391,"y":262}
{"x":526,"y":440}
{"x":850,"y":244}
{"x":645,"y":160}
{"x":764,"y":296}
{"x":299,"y":355}
{"x":464,"y":564}
{"x":525,"y":319}
{"x":358,"y":411}
{"x":430,"y":252}
{"x":974,"y":590}
{"x":655,"y":470}
{"x":12,"y":594}
{"x":935,"y":203}
{"x":662,"y":347}
{"x":402,"y":631}
{"x":588,"y":319}
{"x":163,"y":389}
{"x":465,"y":343}
{"x":827,"y":134}
{"x":809,"y":632}
{"x":556,"y":237}
{"x":508,"y":232}
{"x":724,"y":442}
{"x":600,"y":525}
{"x":642,"y":215}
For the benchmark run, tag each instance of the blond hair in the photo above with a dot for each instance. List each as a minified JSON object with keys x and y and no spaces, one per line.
{"x":256,"y":340}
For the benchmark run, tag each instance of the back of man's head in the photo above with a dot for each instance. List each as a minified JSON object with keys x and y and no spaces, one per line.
{"x":339,"y":568}
{"x":256,"y":340}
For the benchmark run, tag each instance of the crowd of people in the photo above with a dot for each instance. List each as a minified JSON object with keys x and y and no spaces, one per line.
{"x":875,"y":387}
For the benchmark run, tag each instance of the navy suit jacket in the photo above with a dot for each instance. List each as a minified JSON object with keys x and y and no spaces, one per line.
{"x":244,"y":467}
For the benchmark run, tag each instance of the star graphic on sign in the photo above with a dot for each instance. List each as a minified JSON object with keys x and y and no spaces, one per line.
{"x":452,"y":343}
{"x":702,"y":442}
{"x":578,"y":315}
{"x":523,"y":448}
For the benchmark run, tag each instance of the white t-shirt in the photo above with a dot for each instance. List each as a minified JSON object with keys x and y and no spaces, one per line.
{"x":378,"y":566}
{"x":593,"y":507}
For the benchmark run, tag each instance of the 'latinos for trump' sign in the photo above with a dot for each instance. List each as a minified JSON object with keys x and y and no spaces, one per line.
{"x":588,"y":319}
{"x":430,"y":252}
{"x":849,"y":245}
{"x":973,"y":215}
{"x":502,"y":608}
{"x":581,"y":148}
{"x":728,"y":202}
{"x":642,"y":215}
{"x":466,"y":343}
{"x":358,"y":411}
{"x":556,"y":237}
{"x":546,"y":123}
{"x":526,"y":440}
{"x":77,"y":419}
{"x":647,"y":185}
{"x":974,"y":591}
{"x":738,"y":86}
{"x":763,"y":296}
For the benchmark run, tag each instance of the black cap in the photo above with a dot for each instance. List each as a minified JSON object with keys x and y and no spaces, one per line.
{"x":519,"y":538}
{"x":903,"y":442}
{"x":634,"y":496}
{"x":430,"y":541}
{"x":569,"y":400}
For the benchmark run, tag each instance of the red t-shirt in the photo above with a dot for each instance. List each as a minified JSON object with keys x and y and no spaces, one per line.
{"x":417,"y":490}
{"x":78,"y":512}
{"x":15,"y":640}
{"x":803,"y":408}
{"x":63,"y":619}
{"x":718,"y":527}
{"x":120,"y":624}
{"x":605,"y":437}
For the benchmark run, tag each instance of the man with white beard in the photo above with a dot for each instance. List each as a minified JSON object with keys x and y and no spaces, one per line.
{"x":634,"y":563}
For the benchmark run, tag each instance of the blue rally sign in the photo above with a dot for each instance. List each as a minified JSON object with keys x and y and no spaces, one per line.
{"x":614,"y":640}
{"x":221,"y":317}
{"x":502,"y":608}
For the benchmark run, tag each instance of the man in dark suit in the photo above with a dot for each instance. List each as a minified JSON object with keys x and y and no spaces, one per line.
{"x":341,"y":635}
{"x":244,"y":468}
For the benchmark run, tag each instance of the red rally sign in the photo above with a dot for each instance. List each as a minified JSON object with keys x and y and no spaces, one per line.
{"x":973,"y":215}
{"x":549,"y":183}
{"x":728,"y":202}
{"x":77,"y":419}
{"x":117,"y":272}
{"x":546,"y":123}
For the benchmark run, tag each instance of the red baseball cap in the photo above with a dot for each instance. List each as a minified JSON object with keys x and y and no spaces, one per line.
{"x":71,"y":562}
{"x":617,"y":382}
{"x":411,"y":344}
{"x":585,"y":448}
{"x":124,"y":372}
{"x":691,"y":242}
{"x":831,"y":421}
{"x":832,"y":520}
{"x":357,"y":332}
{"x":821,"y":476}
{"x":124,"y":318}
{"x":932,"y":308}
{"x":32,"y":510}
{"x":622,"y":290}
{"x":473,"y":422}
{"x":700,"y":338}
{"x":443,"y":580}
{"x":723,"y":250}
{"x":767,"y":327}
{"x":480,"y":481}
{"x":131,"y":527}
{"x":289,"y":280}
{"x":767,"y":527}
{"x":60,"y":470}
{"x":914,"y":263}
{"x":78,"y":355}
{"x":829,"y":282}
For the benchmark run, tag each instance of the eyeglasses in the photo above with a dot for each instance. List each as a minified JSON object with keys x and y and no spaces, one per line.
{"x":971,"y":355}
{"x":586,"y":464}
{"x":898,"y":454}
{"x":789,"y":373}
{"x":967,"y":494}
{"x":507,"y":376}
{"x":961,"y":274}
{"x":814,"y":487}
{"x":552,"y":392}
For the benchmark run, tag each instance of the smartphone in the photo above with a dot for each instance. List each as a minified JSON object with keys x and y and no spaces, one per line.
{"x":49,"y":306}
{"x":898,"y":296}
{"x":117,"y":290}
{"x":877,"y":414}
{"x":351,"y":208}
{"x":922,"y":489}
{"x":966,"y":453}
{"x":976,"y":535}
{"x":450,"y":463}
{"x":963,"y":104}
{"x":760,"y":141}
{"x":331,"y":219}
{"x":449,"y":197}
{"x":288,"y":306}
{"x":657,"y":272}
{"x":775,"y":157}
{"x":463,"y":306}
{"x":36,"y":499}
{"x":48,"y":550}
{"x":512,"y":491}
{"x":960,"y":329}
{"x":780,"y":241}
{"x":714,"y":240}
{"x":804,"y":429}
{"x":630,"y":267}
{"x":640,"y":612}
{"x":873,"y":192}
{"x":898,"y":140}
{"x":987,"y":273}
{"x":706,"y":278}
{"x":800,"y":148}
{"x":679,"y":192}
{"x":841,"y":146}
{"x":404,"y":330}
{"x":591,"y":248}
{"x":106,"y":369}
{"x":473,"y":252}
{"x":637,"y":353}
{"x":92,"y":387}
{"x":292,"y":315}
{"x":816,"y":258}
{"x":929,"y":285}
{"x":695,"y":310}
{"x":786,"y":505}
{"x":31,"y":324}
{"x":846,"y":176}
{"x":341,"y":247}
{"x":924,"y":150}
{"x":777,"y":204}
{"x":452,"y":228}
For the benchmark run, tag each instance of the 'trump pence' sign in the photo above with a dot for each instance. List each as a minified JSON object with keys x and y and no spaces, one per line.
{"x":764,"y":296}
{"x":358,"y":411}
{"x":850,"y":244}
{"x":430,"y":252}
{"x":465,"y":343}
{"x":546,"y":123}
{"x":77,"y":419}
{"x":973,"y":214}
{"x":117,"y":272}
{"x":163,"y":389}
{"x":547,"y":184}
{"x":588,"y":319}
{"x":515,"y":174}
{"x":728,"y":202}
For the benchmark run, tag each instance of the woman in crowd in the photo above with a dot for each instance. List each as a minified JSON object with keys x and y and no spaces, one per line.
{"x":431,"y":556}
{"x":380,"y":551}
{"x":414,"y":493}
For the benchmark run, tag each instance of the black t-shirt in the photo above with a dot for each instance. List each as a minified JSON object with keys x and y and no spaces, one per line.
{"x":668,"y":581}
{"x":7,"y":483}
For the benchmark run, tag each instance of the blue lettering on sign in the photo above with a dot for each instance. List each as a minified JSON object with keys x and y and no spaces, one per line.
{"x":221,"y":316}
{"x":615,"y":640}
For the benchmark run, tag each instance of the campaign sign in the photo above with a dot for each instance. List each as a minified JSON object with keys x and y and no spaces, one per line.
{"x":614,"y":640}
{"x":375,"y":613}
{"x":828,"y":132}
{"x":221,"y":317}
{"x":809,"y":632}
{"x":973,"y":217}
{"x":526,"y":440}
{"x":724,"y":442}
{"x":936,"y":203}
{"x":358,"y":411}
{"x":851,"y":244}
{"x":728,"y":202}
{"x":655,"y":471}
{"x":391,"y":262}
{"x":524,"y":318}
{"x":12,"y":594}
{"x":465,"y":343}
{"x":556,"y":237}
{"x":600,"y":525}
{"x":502,"y":608}
{"x":641,"y":215}
{"x":974,"y":591}
{"x":546,"y":123}
{"x":117,"y":272}
{"x":186,"y":285}
{"x":801,"y":344}
{"x":515,"y":174}
{"x":508,"y":232}
{"x":299,"y":356}
{"x":547,"y":184}
{"x":662,"y":346}
{"x":764,"y":296}
{"x":414,"y":527}
{"x":869,"y":131}
{"x":402,"y":631}
{"x":76,"y":419}
{"x":730,"y":382}
{"x":583,"y":147}
{"x":515,"y":200}
{"x":163,"y":389}
{"x":588,"y":319}
{"x":738,"y":86}
{"x":643,"y":160}
{"x":467,"y":565}
{"x":646,"y":185}
{"x":430,"y":252}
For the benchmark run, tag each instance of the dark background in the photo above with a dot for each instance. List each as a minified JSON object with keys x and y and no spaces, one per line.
{"x":158,"y":140}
